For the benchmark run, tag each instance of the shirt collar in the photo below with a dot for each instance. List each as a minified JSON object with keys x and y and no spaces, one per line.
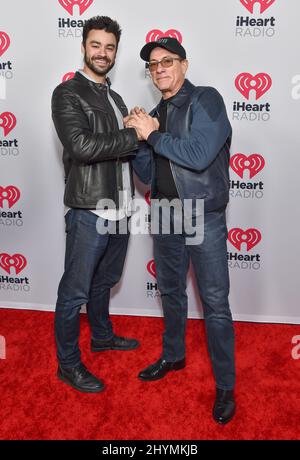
{"x":84,"y":74}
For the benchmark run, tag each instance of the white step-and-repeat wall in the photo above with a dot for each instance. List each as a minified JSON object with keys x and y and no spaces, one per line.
{"x":249,"y":50}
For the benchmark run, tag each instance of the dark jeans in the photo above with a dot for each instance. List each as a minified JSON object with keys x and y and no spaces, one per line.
{"x":209,"y":259}
{"x":93,"y":265}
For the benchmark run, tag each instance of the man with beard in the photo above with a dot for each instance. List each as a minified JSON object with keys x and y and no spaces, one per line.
{"x":88,"y":117}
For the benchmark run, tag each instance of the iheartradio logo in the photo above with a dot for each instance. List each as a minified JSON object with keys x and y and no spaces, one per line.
{"x":68,"y":76}
{"x":7,"y":121}
{"x":250,"y":237}
{"x":260,"y":83}
{"x":264,"y":4}
{"x":254,"y":163}
{"x":68,"y":5}
{"x":17,"y":261}
{"x":11,"y":194}
{"x":151,"y":268}
{"x":4,"y":42}
{"x":156,"y":34}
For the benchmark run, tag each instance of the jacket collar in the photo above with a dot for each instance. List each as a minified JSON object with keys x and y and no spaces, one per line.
{"x":79,"y":77}
{"x":179,"y":99}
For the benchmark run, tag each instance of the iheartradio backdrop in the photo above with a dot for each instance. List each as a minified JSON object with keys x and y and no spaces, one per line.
{"x":249,"y":51}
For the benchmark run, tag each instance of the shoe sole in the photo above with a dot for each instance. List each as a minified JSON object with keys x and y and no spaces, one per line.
{"x":63,"y":379}
{"x":158,"y":378}
{"x":94,"y":349}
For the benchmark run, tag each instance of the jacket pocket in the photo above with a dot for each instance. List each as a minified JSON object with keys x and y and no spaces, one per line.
{"x":68,"y":220}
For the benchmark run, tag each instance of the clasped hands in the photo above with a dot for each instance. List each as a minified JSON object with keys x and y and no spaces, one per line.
{"x":143,"y":123}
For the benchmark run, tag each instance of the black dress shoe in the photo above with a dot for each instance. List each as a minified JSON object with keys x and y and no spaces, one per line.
{"x":80,"y":378}
{"x":224,"y":407}
{"x":160,"y":368}
{"x":116,"y":343}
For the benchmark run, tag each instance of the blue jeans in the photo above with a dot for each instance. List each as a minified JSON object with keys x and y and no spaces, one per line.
{"x":93,"y":265}
{"x":172,"y":257}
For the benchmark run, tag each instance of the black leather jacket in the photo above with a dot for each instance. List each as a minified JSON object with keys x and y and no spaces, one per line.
{"x":94,"y":146}
{"x":196,"y":143}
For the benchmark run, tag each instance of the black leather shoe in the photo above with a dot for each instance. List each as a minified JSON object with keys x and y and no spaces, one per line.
{"x":224,"y":407}
{"x":160,"y":368}
{"x":116,"y":343}
{"x":80,"y":378}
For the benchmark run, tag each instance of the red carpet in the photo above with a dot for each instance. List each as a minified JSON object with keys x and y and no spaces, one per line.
{"x":35,"y":405}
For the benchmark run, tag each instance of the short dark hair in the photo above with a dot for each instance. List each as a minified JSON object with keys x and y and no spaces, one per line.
{"x":101,"y":23}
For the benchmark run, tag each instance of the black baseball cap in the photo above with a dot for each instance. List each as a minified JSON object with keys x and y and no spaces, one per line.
{"x":169,"y":43}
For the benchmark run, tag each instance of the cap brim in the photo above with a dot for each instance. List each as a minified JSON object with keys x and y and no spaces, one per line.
{"x":146,"y":50}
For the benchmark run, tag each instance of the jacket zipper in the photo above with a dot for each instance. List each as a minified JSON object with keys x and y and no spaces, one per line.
{"x":170,"y":162}
{"x":86,"y":179}
{"x":119,"y":173}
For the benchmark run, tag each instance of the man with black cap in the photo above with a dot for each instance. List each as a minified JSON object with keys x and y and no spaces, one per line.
{"x":185,"y":154}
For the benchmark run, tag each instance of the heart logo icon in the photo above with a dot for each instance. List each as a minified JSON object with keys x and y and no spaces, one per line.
{"x":260,"y":83}
{"x":254,"y":163}
{"x":264,"y":4}
{"x":250,"y":237}
{"x":7,"y":121}
{"x":68,"y":5}
{"x":147,"y":198}
{"x":68,"y":76}
{"x":4,"y":42}
{"x":151,"y":268}
{"x":156,"y":34}
{"x":11,"y":194}
{"x":17,"y":261}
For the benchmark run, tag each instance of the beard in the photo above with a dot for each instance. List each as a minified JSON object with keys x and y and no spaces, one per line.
{"x":95,"y":68}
